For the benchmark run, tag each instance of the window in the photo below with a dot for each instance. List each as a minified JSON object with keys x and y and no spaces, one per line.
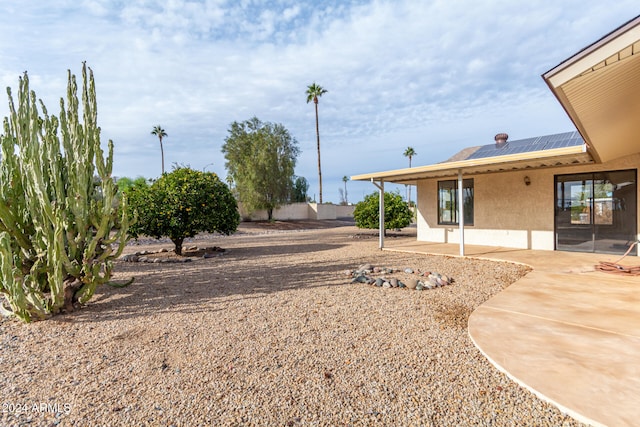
{"x":448,"y":202}
{"x":596,"y":211}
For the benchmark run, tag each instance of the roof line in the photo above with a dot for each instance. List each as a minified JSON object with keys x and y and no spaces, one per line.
{"x":593,"y":47}
{"x":462,"y":164}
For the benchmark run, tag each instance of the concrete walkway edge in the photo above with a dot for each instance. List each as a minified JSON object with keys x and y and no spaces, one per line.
{"x":566,"y":332}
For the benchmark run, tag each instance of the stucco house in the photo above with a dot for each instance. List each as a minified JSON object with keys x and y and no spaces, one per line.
{"x":575,"y":191}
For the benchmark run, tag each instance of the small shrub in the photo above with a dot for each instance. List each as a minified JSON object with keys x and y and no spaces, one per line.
{"x":396,"y":212}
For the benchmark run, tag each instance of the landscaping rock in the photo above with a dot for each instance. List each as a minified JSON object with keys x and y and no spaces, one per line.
{"x":432,"y":280}
{"x":365,"y":267}
{"x":360,"y":279}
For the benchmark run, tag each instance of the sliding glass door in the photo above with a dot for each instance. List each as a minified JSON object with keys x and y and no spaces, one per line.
{"x":596,"y":212}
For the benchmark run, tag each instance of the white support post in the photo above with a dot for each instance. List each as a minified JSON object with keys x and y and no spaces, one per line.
{"x":461,"y":210}
{"x":380,"y":212}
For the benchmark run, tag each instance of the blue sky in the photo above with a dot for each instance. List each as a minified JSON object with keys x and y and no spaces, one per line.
{"x":434,"y":75}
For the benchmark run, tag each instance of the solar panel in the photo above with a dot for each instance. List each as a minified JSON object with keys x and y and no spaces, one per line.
{"x":540,"y":143}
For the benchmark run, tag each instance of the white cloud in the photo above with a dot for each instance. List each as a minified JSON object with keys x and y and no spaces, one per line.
{"x":434,"y":75}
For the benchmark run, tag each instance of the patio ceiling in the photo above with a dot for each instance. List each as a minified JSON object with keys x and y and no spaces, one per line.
{"x":530,"y":160}
{"x":599,"y":89}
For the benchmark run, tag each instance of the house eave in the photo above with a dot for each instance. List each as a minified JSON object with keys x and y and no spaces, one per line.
{"x":599,"y":88}
{"x":530,"y":160}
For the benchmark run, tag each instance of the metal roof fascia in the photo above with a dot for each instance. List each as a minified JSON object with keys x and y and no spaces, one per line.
{"x":464,"y":164}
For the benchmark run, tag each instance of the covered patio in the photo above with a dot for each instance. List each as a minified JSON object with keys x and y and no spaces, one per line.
{"x":498,"y":162}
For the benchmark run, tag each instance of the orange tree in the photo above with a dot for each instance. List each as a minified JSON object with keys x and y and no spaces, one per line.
{"x":181,"y":204}
{"x":396,"y":212}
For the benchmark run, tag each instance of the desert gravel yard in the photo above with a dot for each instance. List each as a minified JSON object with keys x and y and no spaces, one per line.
{"x":272,"y":333}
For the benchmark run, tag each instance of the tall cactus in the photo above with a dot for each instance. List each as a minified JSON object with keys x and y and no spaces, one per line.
{"x":59,"y":231}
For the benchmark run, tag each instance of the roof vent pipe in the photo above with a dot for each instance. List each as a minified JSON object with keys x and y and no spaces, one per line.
{"x":501,"y":140}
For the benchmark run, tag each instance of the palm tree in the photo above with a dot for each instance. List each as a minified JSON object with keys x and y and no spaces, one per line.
{"x":409,"y":152}
{"x":345,"y":179}
{"x":313,"y":92}
{"x":160,"y":133}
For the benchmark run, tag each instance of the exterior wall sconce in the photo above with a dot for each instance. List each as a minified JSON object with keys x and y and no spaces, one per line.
{"x":527,"y":180}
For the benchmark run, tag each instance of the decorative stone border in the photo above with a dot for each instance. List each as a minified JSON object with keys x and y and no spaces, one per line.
{"x":423,"y":281}
{"x":143,"y":256}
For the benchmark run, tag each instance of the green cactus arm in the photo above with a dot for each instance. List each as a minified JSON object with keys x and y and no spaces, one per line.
{"x":59,"y":226}
{"x":11,"y":224}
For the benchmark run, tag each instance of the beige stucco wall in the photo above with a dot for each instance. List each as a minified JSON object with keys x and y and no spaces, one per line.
{"x":300,"y":211}
{"x":293,"y":211}
{"x":318,"y":211}
{"x":345,"y":211}
{"x":506,"y":211}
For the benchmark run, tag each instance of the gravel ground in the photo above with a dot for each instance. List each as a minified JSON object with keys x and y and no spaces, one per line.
{"x":270,"y":334}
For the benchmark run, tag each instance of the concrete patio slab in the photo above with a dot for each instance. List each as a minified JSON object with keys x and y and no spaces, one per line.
{"x":565,"y":331}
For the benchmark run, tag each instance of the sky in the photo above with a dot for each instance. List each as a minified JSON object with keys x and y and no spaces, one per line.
{"x":437,"y":76}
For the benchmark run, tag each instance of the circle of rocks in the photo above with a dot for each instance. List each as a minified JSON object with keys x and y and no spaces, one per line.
{"x":423,"y":280}
{"x":144,"y":256}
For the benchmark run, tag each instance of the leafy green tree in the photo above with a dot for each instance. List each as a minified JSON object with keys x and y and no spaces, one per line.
{"x":396,"y":213}
{"x":160,"y":133}
{"x":181,"y":204}
{"x":260,"y":159}
{"x":299,"y":190}
{"x":59,"y":231}
{"x":314,"y":92}
{"x":125,"y":183}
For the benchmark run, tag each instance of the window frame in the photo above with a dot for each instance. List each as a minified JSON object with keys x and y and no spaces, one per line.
{"x":451,"y":187}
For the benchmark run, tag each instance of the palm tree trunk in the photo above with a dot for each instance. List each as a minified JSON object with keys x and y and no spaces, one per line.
{"x":346,"y":198}
{"x":409,"y":202}
{"x":162,"y":155}
{"x":318,"y":137}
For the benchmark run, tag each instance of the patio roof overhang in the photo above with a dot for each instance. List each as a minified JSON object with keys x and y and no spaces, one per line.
{"x":599,"y":88}
{"x":530,"y":160}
